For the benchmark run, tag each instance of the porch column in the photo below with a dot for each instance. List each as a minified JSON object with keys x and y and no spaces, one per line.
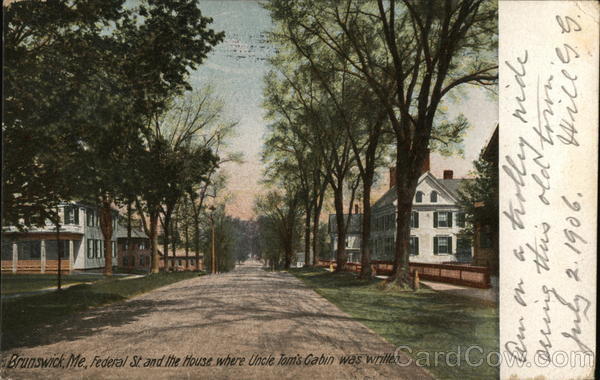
{"x":43,"y":256}
{"x":15,"y":256}
{"x":70,"y":255}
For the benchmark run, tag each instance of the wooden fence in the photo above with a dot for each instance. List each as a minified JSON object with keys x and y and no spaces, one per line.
{"x":458,"y":274}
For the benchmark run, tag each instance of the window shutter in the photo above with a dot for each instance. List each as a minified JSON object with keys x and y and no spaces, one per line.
{"x":416,"y":219}
{"x":416,"y":245}
{"x":435,"y":219}
{"x":435,"y":245}
{"x":450,"y":219}
{"x":450,"y":245}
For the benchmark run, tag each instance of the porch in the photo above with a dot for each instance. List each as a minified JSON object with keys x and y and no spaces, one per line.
{"x":39,"y":253}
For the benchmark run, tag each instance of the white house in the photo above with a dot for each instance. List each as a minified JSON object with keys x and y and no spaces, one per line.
{"x":435,"y":224}
{"x":353,"y":236}
{"x":81,"y":242}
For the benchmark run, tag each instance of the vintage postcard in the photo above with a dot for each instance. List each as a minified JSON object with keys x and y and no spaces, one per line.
{"x":302,"y":189}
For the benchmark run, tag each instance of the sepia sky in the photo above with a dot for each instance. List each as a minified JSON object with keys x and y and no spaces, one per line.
{"x":236,"y":68}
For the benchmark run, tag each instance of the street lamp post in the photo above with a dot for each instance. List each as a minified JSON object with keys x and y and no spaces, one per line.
{"x":213,"y":261}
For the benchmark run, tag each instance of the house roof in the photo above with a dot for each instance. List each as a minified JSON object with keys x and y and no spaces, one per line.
{"x":490,"y":152}
{"x":354,"y":226}
{"x":453,"y":185}
{"x":136,"y":233}
{"x":386,"y":199}
{"x":450,"y":185}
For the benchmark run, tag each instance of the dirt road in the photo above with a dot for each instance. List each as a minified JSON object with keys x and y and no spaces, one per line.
{"x":247,"y":314}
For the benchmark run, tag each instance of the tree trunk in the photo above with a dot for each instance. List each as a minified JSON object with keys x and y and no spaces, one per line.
{"x":197,"y":238}
{"x":166,"y":230}
{"x":307,"y":234}
{"x":341,"y":257}
{"x":288,"y":255}
{"x":154,"y":240}
{"x":365,"y":246}
{"x":187,"y":245}
{"x":174,"y":237}
{"x":406,"y":183}
{"x":106,"y":226}
{"x":129,"y":211}
{"x":315,"y":233}
{"x":316,"y":217}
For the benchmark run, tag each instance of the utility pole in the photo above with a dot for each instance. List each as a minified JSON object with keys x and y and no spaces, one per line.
{"x":58,"y":249}
{"x":213,"y":260}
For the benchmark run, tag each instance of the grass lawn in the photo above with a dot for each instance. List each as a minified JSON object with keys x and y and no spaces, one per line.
{"x":17,"y":283}
{"x":426,"y":321}
{"x":23,"y":316}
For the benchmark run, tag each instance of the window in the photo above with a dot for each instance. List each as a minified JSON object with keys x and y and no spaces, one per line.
{"x":96,"y":254}
{"x":52,"y":249}
{"x":114,"y":248}
{"x":7,"y":253}
{"x":142,"y":245}
{"x":442,"y":219}
{"x":101,"y":244}
{"x":433,"y":197}
{"x":71,"y":215}
{"x":419,"y":197}
{"x":414,"y":219}
{"x":413,"y":245}
{"x":29,"y":249}
{"x":442,"y":245}
{"x":90,"y":217}
{"x":389,"y":247}
{"x":460,"y":219}
{"x":90,"y":248}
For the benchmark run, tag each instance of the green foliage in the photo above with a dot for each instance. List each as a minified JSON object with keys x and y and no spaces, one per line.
{"x":82,"y":81}
{"x":245,"y":239}
{"x":279,"y":225}
{"x":52,"y":54}
{"x":478,"y":197}
{"x":411,"y":56}
{"x":224,"y":241}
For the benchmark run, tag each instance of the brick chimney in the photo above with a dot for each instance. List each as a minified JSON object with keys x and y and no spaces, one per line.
{"x":392,"y":176}
{"x":426,"y":164}
{"x":448,"y":174}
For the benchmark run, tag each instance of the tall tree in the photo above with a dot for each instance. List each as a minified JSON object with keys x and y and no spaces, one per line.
{"x":107,"y":71}
{"x":425,"y":49}
{"x":302,"y":108}
{"x":362,"y":115}
{"x":281,"y":211}
{"x":479,"y":199}
{"x":54,"y":51}
{"x":193,"y":124}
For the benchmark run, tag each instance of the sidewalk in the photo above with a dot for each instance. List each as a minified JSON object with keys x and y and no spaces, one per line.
{"x":490,"y":295}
